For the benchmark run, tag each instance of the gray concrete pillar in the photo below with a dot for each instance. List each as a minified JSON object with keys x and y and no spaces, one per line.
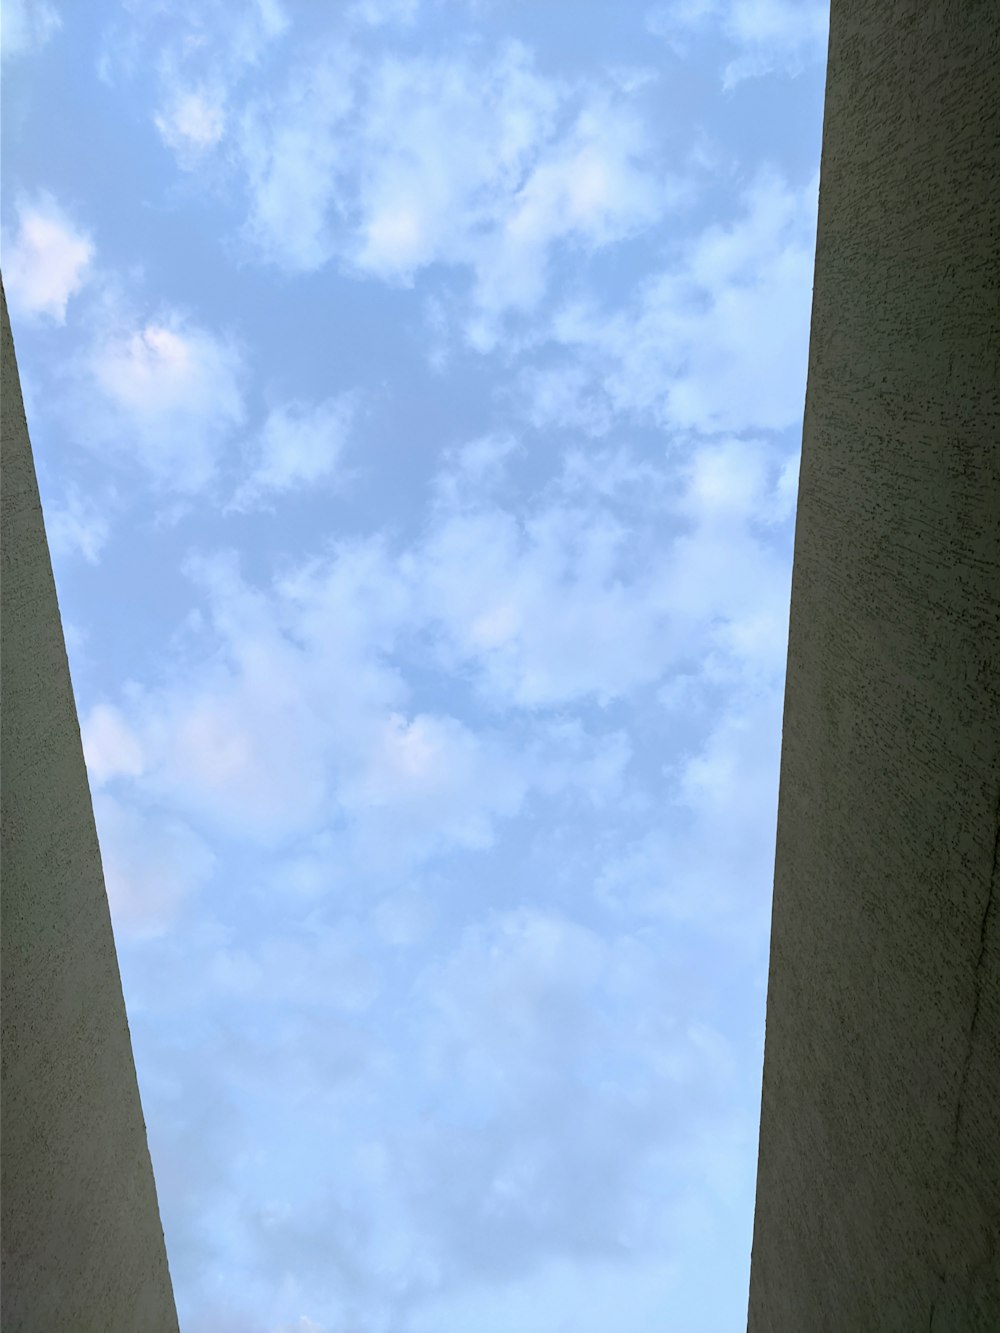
{"x":81,"y":1239}
{"x":878,"y":1186}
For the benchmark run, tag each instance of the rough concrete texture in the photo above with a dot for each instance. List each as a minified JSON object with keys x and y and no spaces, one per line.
{"x":82,"y":1244}
{"x":878,"y":1187}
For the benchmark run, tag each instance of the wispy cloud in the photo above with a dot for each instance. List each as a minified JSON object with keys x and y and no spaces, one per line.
{"x":770,"y":35}
{"x":390,"y":165}
{"x":79,"y":524}
{"x":713,"y":872}
{"x":46,"y":262}
{"x":393,"y":166}
{"x":111,"y":747}
{"x":293,"y":148}
{"x":161,"y":392}
{"x":566,"y":601}
{"x":717,"y":342}
{"x":300,"y":715}
{"x":379,"y":12}
{"x":201,"y":52}
{"x":151,"y":863}
{"x":299,"y":720}
{"x":192,"y":120}
{"x":26,"y":25}
{"x":298,"y":446}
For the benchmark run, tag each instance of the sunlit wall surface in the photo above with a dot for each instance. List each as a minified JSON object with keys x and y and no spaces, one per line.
{"x":416,"y":391}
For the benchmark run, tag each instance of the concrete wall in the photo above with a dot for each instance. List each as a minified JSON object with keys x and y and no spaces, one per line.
{"x":81,"y":1239}
{"x":878,"y":1187}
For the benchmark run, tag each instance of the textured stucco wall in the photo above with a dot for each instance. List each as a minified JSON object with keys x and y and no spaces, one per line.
{"x":82,"y":1245}
{"x":878,"y":1188}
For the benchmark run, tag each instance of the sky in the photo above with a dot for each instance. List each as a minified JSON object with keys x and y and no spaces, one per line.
{"x":416,"y":391}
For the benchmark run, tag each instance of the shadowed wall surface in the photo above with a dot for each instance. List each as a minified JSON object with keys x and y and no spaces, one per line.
{"x":83,"y":1249}
{"x":878,"y":1187}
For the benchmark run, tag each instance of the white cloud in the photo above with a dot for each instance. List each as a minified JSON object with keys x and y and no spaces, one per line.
{"x":376,"y":13}
{"x":192,"y":121}
{"x":292,"y":718}
{"x":552,"y":1070}
{"x":46,"y":262}
{"x":166,"y":392}
{"x":719,"y":342}
{"x":433,"y":774}
{"x":298,"y":446}
{"x":547,"y":609}
{"x":727,"y":478}
{"x":775,"y":34}
{"x":327,"y":969}
{"x":642,"y":1288}
{"x":110,"y":746}
{"x":298,"y":717}
{"x":195,"y":64}
{"x":561,"y":1070}
{"x":305,"y":711}
{"x":567,"y":1055}
{"x":714,"y":872}
{"x":588,"y":592}
{"x":472,"y":472}
{"x":78,"y":525}
{"x":152,"y":862}
{"x":26,"y":25}
{"x":770,"y":35}
{"x":676,"y":17}
{"x":395,"y":165}
{"x":252,"y":736}
{"x":565,"y":396}
{"x":292,"y":148}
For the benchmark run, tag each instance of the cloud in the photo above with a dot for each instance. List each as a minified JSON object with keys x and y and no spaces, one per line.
{"x":676,"y":18}
{"x":433,"y":774}
{"x":294,"y":712}
{"x":151,"y":863}
{"x":549,"y":1113}
{"x":390,"y":164}
{"x":563,"y":396}
{"x":393,"y":165}
{"x":377,"y":13}
{"x":295,"y":717}
{"x":46,"y":262}
{"x":298,"y":446}
{"x":78,"y":525}
{"x":198,"y":54}
{"x":546,"y":609}
{"x":555,"y":1071}
{"x":250,"y":736}
{"x":165,"y":392}
{"x":287,"y":695}
{"x":713,"y":871}
{"x":600,"y":584}
{"x":292,"y":148}
{"x":26,"y":25}
{"x":775,"y":35}
{"x":546,"y":1078}
{"x":192,"y":121}
{"x":473,"y":471}
{"x":328,"y":969}
{"x":110,"y":746}
{"x":718,"y":342}
{"x":770,"y":35}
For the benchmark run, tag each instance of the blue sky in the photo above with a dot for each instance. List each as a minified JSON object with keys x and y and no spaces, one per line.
{"x":416,"y":392}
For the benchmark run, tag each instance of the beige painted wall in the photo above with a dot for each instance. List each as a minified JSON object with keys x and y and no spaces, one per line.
{"x":878,"y":1188}
{"x":82,"y":1244}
